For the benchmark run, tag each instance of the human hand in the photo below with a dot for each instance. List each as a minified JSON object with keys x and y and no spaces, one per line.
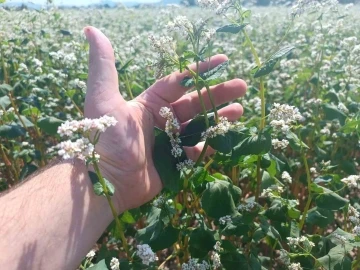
{"x":126,"y":149}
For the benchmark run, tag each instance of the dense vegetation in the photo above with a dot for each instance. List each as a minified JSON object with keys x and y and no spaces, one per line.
{"x":281,"y":192}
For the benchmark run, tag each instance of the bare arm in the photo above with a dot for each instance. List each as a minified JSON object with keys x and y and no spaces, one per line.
{"x":52,"y":221}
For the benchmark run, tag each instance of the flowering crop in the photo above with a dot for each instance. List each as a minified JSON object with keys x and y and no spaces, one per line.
{"x":281,"y":189}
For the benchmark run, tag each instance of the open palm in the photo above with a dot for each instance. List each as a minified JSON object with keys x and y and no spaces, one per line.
{"x":126,"y":149}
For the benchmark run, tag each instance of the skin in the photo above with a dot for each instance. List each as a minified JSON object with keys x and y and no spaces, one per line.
{"x":52,"y":221}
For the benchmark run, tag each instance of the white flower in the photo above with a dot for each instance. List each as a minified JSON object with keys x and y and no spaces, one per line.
{"x":351,"y":181}
{"x":272,"y":191}
{"x":356,"y":230}
{"x":81,"y":149}
{"x":172,"y":127}
{"x":313,"y":170}
{"x":159,"y":201}
{"x":220,"y":129}
{"x":295,"y":266}
{"x":180,"y":24}
{"x":300,"y":241}
{"x":279,"y":144}
{"x":216,"y":260}
{"x":224,"y":220}
{"x":283,"y":116}
{"x":146,"y":254}
{"x":194,"y":265}
{"x":340,"y":238}
{"x":217,"y":246}
{"x":114,"y":264}
{"x":187,"y":164}
{"x":91,"y":254}
{"x":286,"y":177}
{"x":248,"y":207}
{"x":101,"y":124}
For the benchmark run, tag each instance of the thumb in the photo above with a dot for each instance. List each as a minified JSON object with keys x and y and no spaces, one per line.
{"x":102,"y":85}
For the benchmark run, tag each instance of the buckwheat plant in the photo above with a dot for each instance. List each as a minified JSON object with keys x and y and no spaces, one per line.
{"x":276,"y":189}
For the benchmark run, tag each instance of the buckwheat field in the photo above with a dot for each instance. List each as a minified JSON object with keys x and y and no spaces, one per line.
{"x":281,"y":191}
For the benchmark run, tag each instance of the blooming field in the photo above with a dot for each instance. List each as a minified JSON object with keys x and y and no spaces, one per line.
{"x":281,"y":191}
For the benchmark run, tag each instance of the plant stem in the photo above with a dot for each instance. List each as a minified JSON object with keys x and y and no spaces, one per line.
{"x":166,"y":260}
{"x":212,"y":103}
{"x":308,"y":178}
{"x":202,"y":154}
{"x":113,"y":210}
{"x":128,"y":87}
{"x":262,"y":119}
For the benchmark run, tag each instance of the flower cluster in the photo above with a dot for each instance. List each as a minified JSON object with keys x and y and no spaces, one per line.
{"x":283,"y":116}
{"x":272,"y":191}
{"x":248,"y":207}
{"x":282,"y":144}
{"x":295,"y":266}
{"x":354,"y":215}
{"x":146,"y":254}
{"x":91,"y":254}
{"x":340,"y":238}
{"x":220,"y":129}
{"x":224,"y":220}
{"x":81,"y":148}
{"x":172,"y":127}
{"x":185,"y":165}
{"x":193,"y":264}
{"x":302,"y":241}
{"x":100,"y":124}
{"x":216,"y":260}
{"x":351,"y":181}
{"x":286,"y":177}
{"x":114,"y":264}
{"x":219,"y":6}
{"x":159,"y":201}
{"x":180,"y":24}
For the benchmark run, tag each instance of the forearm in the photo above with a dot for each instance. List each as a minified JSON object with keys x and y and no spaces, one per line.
{"x":51,"y":221}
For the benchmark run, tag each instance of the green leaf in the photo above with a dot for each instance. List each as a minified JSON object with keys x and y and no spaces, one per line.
{"x":49,"y":124}
{"x":192,"y":132}
{"x":320,"y":217}
{"x":234,"y":260}
{"x":332,"y":113}
{"x":212,"y":74}
{"x":201,"y":241}
{"x":5,"y":88}
{"x":330,"y":200}
{"x":165,"y":239}
{"x":165,"y":163}
{"x":232,"y":28}
{"x":221,"y":143}
{"x":65,"y":32}
{"x":97,"y":186}
{"x":253,"y":145}
{"x":336,"y":259}
{"x":269,"y":65}
{"x":294,"y":141}
{"x":127,"y":217}
{"x":125,"y":66}
{"x":11,"y":131}
{"x":219,"y":199}
{"x":99,"y":266}
{"x":4,"y":102}
{"x":294,"y":229}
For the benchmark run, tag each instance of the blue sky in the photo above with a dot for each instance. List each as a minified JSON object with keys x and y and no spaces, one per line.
{"x":75,"y":2}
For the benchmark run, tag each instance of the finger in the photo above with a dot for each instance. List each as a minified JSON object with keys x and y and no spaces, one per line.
{"x":189,"y":105}
{"x":169,"y":88}
{"x":232,"y":112}
{"x":193,"y":153}
{"x":102,"y":84}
